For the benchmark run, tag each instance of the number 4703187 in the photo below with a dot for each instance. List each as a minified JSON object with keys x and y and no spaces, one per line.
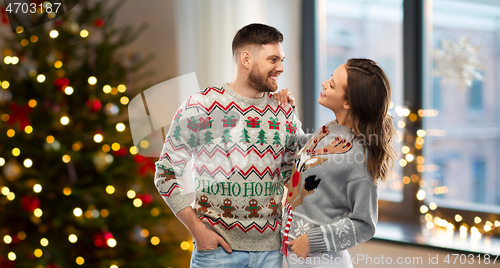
{"x":32,"y":8}
{"x":470,"y":259}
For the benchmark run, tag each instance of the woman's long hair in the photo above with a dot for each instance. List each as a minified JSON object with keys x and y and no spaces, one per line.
{"x":368,"y":94}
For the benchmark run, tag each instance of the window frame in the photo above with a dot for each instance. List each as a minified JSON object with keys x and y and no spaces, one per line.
{"x":416,"y":48}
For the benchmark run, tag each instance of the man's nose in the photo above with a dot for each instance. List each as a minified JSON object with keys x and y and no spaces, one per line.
{"x":280,"y":68}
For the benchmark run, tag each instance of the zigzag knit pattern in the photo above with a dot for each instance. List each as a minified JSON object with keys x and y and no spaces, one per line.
{"x":241,"y":152}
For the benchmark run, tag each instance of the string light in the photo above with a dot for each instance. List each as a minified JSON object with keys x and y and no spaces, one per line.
{"x":115,"y":146}
{"x":80,"y":260}
{"x":111,"y":242}
{"x":38,"y":213}
{"x":38,"y":253}
{"x":124,"y":100}
{"x":68,"y":90}
{"x":11,"y":133}
{"x":37,"y":188}
{"x":7,"y":239}
{"x":34,"y":38}
{"x":24,"y":42}
{"x":131,"y":194}
{"x":458,"y":218}
{"x":155,"y":240}
{"x":121,"y":88}
{"x":28,"y":129}
{"x":120,"y":127}
{"x":32,"y":103}
{"x":144,"y":144}
{"x":28,"y":163}
{"x":477,"y":220}
{"x":98,"y":138}
{"x":106,"y":148}
{"x":5,"y":190}
{"x":11,"y":196}
{"x":144,"y":233}
{"x":58,"y":64}
{"x":73,"y":238}
{"x":133,"y":150}
{"x":106,"y":89}
{"x":92,"y":80}
{"x":84,"y":33}
{"x":12,"y":255}
{"x":77,"y":212}
{"x":54,"y":34}
{"x":66,"y":191}
{"x":15,"y":60}
{"x":185,"y":245}
{"x":64,"y":120}
{"x":137,"y":202}
{"x":76,"y":146}
{"x":5,"y":84}
{"x":66,"y":158}
{"x":104,"y":213}
{"x":16,"y":152}
{"x":155,"y":212}
{"x":7,"y":60}
{"x":44,"y":242}
{"x":40,"y":78}
{"x":110,"y":189}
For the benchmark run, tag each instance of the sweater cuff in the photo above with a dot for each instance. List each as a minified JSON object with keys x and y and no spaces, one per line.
{"x":316,"y":240}
{"x":177,"y":203}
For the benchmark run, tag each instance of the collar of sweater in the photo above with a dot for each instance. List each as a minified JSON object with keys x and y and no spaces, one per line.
{"x":249,"y":101}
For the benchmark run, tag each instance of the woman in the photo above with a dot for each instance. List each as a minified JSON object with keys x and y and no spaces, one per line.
{"x":331,"y":204}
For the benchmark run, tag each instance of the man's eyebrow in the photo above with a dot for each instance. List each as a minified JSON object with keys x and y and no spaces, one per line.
{"x":275,"y":56}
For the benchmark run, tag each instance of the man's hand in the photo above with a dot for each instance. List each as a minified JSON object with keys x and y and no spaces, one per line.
{"x":283,"y":96}
{"x":300,"y":246}
{"x":209,"y":240}
{"x":204,"y":238}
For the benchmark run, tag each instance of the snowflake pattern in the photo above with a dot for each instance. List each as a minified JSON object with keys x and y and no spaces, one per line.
{"x":341,"y":228}
{"x":301,"y":228}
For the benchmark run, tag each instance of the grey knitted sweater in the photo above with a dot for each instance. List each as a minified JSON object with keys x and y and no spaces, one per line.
{"x":331,"y":195}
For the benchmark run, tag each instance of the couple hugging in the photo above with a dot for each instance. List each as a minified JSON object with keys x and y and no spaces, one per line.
{"x":264,"y":188}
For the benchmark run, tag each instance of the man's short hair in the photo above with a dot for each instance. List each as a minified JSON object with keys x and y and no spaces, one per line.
{"x":256,"y":34}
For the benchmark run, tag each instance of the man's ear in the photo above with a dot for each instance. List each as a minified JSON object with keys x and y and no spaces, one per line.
{"x":246,"y":59}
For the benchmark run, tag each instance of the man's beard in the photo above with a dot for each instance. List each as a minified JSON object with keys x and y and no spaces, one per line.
{"x":259,"y":82}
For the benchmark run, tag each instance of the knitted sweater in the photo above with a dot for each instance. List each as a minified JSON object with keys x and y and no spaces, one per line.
{"x":331,"y":195}
{"x":242,"y":150}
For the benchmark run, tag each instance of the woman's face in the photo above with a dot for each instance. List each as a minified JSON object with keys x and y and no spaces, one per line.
{"x":332,"y":94}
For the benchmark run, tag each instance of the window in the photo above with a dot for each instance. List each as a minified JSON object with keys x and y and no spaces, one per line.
{"x":465,"y":131}
{"x":367,"y":29}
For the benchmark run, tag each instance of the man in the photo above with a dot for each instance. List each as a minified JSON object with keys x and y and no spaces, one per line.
{"x":242,"y":144}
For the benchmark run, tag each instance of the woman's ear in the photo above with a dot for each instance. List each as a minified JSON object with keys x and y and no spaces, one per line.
{"x":346,"y":105}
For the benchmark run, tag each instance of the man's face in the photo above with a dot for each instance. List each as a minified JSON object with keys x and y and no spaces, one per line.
{"x":268,"y":65}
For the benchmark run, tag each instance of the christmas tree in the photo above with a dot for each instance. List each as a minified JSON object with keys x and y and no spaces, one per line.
{"x":277,"y":139}
{"x":226,"y":136}
{"x":75,"y":193}
{"x":208,"y":138}
{"x":262,"y":137}
{"x":244,"y":138}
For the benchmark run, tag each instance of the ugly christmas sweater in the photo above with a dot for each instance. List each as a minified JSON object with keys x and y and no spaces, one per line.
{"x":331,"y":195}
{"x":242,"y":150}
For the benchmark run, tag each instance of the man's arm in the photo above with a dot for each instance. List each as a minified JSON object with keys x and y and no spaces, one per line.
{"x":204,"y":238}
{"x":176,"y":153}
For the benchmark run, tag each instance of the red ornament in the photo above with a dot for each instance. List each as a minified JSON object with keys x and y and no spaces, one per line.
{"x":19,"y":113}
{"x":3,"y":14}
{"x":58,"y":22}
{"x":30,"y":203}
{"x":145,"y":198}
{"x":145,"y":164}
{"x":93,"y":104}
{"x":121,"y":152}
{"x":99,"y":23}
{"x":61,"y":83}
{"x":4,"y":263}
